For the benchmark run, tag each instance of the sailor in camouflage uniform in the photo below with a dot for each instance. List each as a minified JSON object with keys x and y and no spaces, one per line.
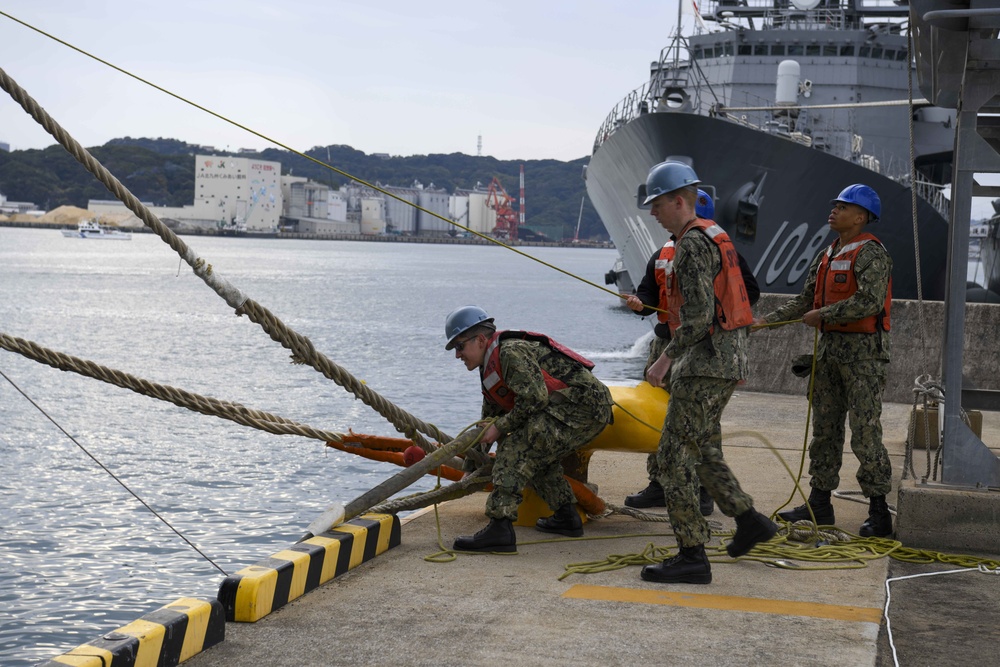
{"x":848,"y":295}
{"x":708,"y":312}
{"x":546,"y":403}
{"x":652,"y":293}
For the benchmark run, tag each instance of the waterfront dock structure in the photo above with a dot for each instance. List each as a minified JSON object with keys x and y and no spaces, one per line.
{"x":400,"y":609}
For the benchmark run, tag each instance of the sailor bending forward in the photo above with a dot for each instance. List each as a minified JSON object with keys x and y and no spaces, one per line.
{"x":547,"y":404}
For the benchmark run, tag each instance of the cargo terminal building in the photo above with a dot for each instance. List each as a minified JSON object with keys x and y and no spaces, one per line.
{"x":230,"y":194}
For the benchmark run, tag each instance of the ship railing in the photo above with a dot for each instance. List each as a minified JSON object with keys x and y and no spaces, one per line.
{"x":630,"y":107}
{"x":838,"y":140}
{"x":831,"y":16}
{"x":933,"y":194}
{"x":759,"y":120}
{"x":671,"y":71}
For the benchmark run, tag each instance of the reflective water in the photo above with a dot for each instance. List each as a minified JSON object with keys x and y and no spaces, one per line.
{"x":79,"y":555}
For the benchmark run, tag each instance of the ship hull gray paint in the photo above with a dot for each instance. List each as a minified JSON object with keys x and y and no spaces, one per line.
{"x":798,"y":183}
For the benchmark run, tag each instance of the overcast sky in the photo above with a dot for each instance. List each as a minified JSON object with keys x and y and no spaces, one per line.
{"x":534,"y":78}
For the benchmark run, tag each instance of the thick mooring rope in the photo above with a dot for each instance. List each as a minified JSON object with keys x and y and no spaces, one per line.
{"x":301,"y":347}
{"x":437,"y":495}
{"x":258,"y":419}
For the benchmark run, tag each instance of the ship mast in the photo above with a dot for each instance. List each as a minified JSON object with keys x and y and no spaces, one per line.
{"x":677,"y":36}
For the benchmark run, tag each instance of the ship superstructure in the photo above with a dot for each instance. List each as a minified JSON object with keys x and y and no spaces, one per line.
{"x":779,"y":105}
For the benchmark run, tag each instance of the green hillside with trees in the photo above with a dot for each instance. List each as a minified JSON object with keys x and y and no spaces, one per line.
{"x":161,"y":172}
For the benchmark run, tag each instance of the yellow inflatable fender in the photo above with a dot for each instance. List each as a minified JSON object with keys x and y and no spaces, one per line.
{"x":639,"y":413}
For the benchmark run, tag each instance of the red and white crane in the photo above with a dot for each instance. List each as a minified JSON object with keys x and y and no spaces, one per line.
{"x":507,"y":220}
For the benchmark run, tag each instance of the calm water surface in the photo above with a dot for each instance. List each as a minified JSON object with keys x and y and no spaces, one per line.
{"x":79,"y":556}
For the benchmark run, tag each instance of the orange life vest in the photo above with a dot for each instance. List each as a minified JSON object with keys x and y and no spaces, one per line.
{"x":835,"y":281}
{"x":732,"y":306}
{"x":664,"y":265}
{"x":494,"y":387}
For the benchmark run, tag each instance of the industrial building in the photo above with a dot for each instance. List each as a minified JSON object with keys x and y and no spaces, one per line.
{"x":231,"y":194}
{"x":240,"y":195}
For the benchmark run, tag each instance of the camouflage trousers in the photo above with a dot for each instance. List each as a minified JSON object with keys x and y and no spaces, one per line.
{"x":656,"y":348}
{"x":691,"y":450}
{"x":853,"y":391}
{"x":533,"y":455}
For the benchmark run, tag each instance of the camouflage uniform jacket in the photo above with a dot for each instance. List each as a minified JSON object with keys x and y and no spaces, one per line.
{"x":521,"y":362}
{"x":700,"y":347}
{"x":872,"y":269}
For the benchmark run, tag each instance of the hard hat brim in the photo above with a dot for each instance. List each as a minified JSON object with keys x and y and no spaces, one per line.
{"x":871,"y":216}
{"x":451,"y":342}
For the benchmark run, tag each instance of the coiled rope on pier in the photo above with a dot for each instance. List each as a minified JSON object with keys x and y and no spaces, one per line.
{"x":930,"y":393}
{"x":301,"y":347}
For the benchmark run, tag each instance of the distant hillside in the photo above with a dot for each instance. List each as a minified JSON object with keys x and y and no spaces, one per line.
{"x":161,"y":171}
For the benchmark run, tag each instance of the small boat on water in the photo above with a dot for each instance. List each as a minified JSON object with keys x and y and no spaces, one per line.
{"x":90,"y":229}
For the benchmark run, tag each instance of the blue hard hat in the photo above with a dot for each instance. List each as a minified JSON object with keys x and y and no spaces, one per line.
{"x":863,"y":196}
{"x":461,"y":320}
{"x":667,"y":177}
{"x":704,"y":206}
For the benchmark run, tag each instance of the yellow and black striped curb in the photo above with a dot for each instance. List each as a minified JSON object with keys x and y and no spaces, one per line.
{"x":256,"y":591}
{"x":164,"y":638}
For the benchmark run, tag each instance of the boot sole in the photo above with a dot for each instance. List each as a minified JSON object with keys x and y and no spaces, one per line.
{"x":643,"y":504}
{"x":733,"y":553}
{"x":503,"y":549}
{"x":695,"y":579}
{"x":873,"y":533}
{"x":566,"y":533}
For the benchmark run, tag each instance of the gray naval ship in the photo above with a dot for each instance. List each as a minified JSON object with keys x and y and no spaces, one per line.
{"x":778,"y":105}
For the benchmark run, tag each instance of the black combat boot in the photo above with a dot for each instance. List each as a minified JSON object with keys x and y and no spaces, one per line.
{"x":498,"y":535}
{"x":751,"y":527}
{"x":879,"y":521}
{"x":689,"y":566}
{"x":651,"y":496}
{"x":821,"y":507}
{"x":566,"y":521}
{"x":705,"y":503}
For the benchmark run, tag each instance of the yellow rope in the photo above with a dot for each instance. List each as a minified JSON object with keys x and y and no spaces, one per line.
{"x":312,"y":159}
{"x":819,"y":548}
{"x":805,"y":436}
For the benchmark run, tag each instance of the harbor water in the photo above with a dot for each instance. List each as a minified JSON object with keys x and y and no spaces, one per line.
{"x":79,"y":555}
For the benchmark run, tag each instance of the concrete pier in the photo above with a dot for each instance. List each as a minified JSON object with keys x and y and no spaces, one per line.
{"x":400,"y":609}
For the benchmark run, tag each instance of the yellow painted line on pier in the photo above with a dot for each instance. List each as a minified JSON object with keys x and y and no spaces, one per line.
{"x":726,"y":603}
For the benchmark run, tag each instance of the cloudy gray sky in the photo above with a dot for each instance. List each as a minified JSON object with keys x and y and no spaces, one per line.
{"x":534,"y":78}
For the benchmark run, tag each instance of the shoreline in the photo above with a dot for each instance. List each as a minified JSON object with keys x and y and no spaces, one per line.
{"x":380,"y":238}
